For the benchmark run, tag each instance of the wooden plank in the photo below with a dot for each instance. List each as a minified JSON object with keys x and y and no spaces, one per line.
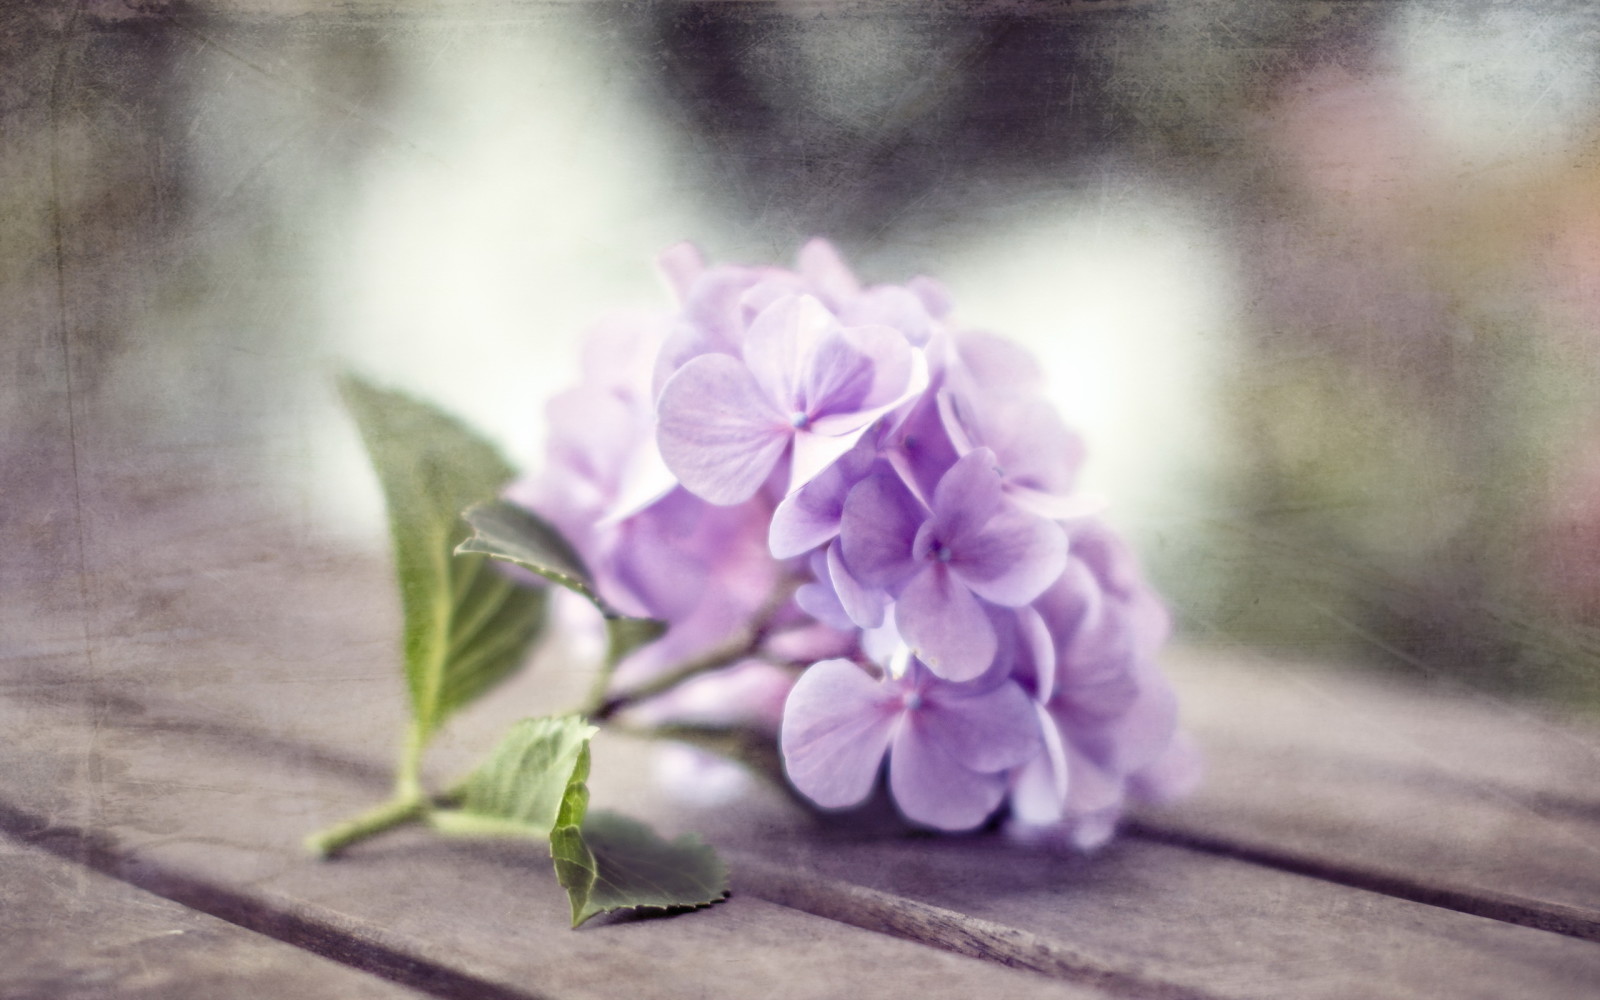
{"x":268,"y":668}
{"x":68,"y":932}
{"x":1416,"y":789}
{"x":1223,"y":927}
{"x":215,"y":822}
{"x":1141,"y":919}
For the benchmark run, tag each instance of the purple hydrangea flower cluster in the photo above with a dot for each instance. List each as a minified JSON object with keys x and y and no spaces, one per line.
{"x":874,"y":510}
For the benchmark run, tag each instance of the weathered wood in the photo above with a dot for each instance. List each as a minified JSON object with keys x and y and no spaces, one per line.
{"x":1163,"y":915}
{"x":1140,"y":919}
{"x":1415,"y":789}
{"x":215,"y":823}
{"x":212,"y":687}
{"x":211,"y":693}
{"x":68,"y":932}
{"x":950,"y":930}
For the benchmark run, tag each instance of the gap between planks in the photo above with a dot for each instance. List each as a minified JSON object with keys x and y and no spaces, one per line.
{"x":1512,"y":908}
{"x":841,"y":901}
{"x":358,"y":948}
{"x":1557,"y":918}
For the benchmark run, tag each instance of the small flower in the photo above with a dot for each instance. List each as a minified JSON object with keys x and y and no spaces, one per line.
{"x":949,"y":745}
{"x":1037,"y":456}
{"x":940,"y":562}
{"x":803,"y":385}
{"x":1108,"y":716}
{"x":810,"y":515}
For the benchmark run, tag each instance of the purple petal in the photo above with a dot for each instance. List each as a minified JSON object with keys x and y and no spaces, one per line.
{"x":1090,"y":789}
{"x":876,"y":529}
{"x":1137,"y":738}
{"x":781,"y":347}
{"x":1038,"y":653}
{"x":1039,"y":788}
{"x":681,"y":264}
{"x":618,"y":354}
{"x":920,"y":449}
{"x":1068,"y":602}
{"x":712,"y":321}
{"x":987,"y":362}
{"x":717,"y":432}
{"x":1055,"y":506}
{"x":654,"y":567}
{"x":1013,"y":559}
{"x":1173,"y":775}
{"x":866,"y":606}
{"x":932,"y":788}
{"x":593,"y":436}
{"x":932,"y":294}
{"x":990,"y":731}
{"x":891,"y":305}
{"x":858,"y":369}
{"x":809,"y":516}
{"x":818,"y":600}
{"x":802,"y":640}
{"x":953,"y":414}
{"x":814,"y":454}
{"x":645,"y":479}
{"x":967,"y":497}
{"x":683,"y":344}
{"x":1034,"y":446}
{"x":718,"y":302}
{"x":836,"y":726}
{"x":772,"y":286}
{"x":1096,"y":679}
{"x":945,"y":625}
{"x":826,"y":271}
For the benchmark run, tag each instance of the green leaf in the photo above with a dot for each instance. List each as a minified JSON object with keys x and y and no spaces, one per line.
{"x":616,"y":863}
{"x":520,"y":790}
{"x":505,"y":531}
{"x":535,"y":785}
{"x":609,"y":862}
{"x":467,"y":627}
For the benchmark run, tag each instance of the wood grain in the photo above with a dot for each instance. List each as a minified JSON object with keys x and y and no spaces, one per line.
{"x":228,"y":694}
{"x":1416,"y":788}
{"x":69,"y":932}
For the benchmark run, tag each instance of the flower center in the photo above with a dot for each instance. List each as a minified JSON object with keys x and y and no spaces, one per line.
{"x":940,"y":551}
{"x":912,"y":700}
{"x":799,"y":421}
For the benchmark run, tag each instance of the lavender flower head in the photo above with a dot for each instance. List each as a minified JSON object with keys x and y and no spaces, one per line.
{"x":860,"y":523}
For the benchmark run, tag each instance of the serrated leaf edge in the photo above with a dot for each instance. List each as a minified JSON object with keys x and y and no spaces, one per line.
{"x":624,"y":633}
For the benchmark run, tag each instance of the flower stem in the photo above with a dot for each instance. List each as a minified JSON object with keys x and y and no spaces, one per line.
{"x":393,"y":813}
{"x":408,"y":776}
{"x":600,"y":707}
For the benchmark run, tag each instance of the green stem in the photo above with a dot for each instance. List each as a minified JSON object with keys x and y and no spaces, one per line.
{"x":600,"y":707}
{"x":393,"y":813}
{"x":408,"y":777}
{"x":595,"y":700}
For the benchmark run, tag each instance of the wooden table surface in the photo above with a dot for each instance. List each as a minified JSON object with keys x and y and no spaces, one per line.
{"x":193,"y":681}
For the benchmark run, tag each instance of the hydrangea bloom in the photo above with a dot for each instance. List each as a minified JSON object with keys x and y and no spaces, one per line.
{"x":874,"y":514}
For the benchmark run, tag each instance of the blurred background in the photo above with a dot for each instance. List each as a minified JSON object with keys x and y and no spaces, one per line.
{"x":1319,"y":282}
